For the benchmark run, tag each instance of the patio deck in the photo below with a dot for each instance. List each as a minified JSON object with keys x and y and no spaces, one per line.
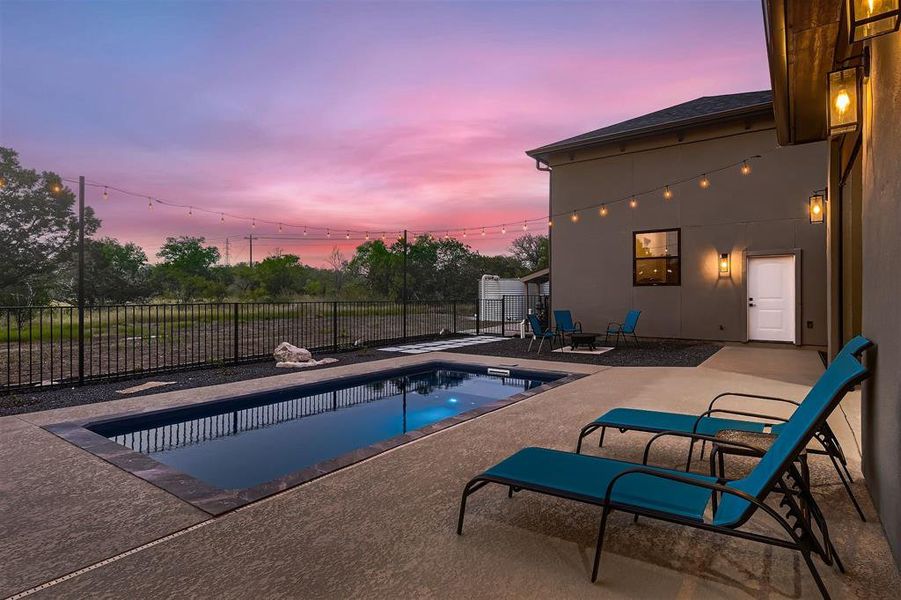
{"x":385,"y":527}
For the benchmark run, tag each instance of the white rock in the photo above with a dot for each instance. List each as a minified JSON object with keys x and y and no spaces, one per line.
{"x":286,"y":352}
{"x":302,"y":365}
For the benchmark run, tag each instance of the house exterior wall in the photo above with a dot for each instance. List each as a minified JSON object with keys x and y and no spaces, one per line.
{"x":591,"y":261}
{"x":881,"y":223}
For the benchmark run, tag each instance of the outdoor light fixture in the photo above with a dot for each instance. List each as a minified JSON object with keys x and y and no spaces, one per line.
{"x":574,"y":217}
{"x":817,"y":207}
{"x":603,"y":211}
{"x":870,"y":18}
{"x":725,"y":263}
{"x":633,"y":202}
{"x":667,"y":193}
{"x":745,"y":168}
{"x":844,"y":100}
{"x":704,"y":182}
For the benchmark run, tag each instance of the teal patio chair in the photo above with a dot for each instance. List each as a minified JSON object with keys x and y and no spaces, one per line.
{"x":563,"y":320}
{"x":540,"y":333}
{"x":627,"y":327}
{"x":682,"y":498}
{"x":653,"y":421}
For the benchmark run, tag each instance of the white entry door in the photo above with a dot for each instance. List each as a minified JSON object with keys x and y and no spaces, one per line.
{"x":771,"y":298}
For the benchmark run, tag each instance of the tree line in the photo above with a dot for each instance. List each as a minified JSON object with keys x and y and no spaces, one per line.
{"x":38,"y":260}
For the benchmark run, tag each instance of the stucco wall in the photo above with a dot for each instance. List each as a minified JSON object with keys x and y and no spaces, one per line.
{"x":591,"y":261}
{"x":881,"y":405}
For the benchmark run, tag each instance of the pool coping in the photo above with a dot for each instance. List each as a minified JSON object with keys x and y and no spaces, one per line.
{"x":216,"y":501}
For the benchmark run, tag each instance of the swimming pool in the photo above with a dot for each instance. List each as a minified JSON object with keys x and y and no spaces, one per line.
{"x":247,"y":447}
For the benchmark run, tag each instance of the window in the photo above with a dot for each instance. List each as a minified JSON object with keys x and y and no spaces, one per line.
{"x":655,"y":257}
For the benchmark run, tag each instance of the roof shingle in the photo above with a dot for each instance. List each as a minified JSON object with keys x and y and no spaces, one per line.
{"x":700,"y":109}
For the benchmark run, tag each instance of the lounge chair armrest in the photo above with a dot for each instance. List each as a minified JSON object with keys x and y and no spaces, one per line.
{"x":727,"y":411}
{"x":698,"y":436}
{"x":618,"y":325}
{"x":713,"y":487}
{"x":755,"y":396}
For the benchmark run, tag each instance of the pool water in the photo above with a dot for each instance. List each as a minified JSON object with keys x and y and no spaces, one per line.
{"x":229,"y":445}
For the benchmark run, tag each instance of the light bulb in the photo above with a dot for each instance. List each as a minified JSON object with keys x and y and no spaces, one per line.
{"x":842,"y":101}
{"x":483,"y":231}
{"x":328,"y":233}
{"x":603,"y":211}
{"x":633,"y":202}
{"x":190,"y":211}
{"x":504,"y":230}
{"x":367,"y":236}
{"x":304,"y":230}
{"x":222,"y":217}
{"x":550,"y":223}
{"x":704,"y":182}
{"x":56,"y":188}
{"x":149,"y":203}
{"x":347,"y":236}
{"x":745,"y":168}
{"x":574,"y":217}
{"x":464,"y":233}
{"x":525,"y":226}
{"x":279,"y":227}
{"x":105,"y":193}
{"x":253,"y":223}
{"x":667,"y":193}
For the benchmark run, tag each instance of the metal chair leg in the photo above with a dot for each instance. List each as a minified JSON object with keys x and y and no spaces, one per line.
{"x":601,"y":441}
{"x":597,"y":551}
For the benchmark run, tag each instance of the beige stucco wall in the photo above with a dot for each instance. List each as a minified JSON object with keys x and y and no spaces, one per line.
{"x":881,"y":404}
{"x":591,"y":261}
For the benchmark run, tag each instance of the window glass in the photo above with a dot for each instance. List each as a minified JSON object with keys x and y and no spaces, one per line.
{"x":656,"y":258}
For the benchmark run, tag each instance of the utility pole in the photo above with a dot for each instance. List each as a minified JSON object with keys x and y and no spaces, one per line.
{"x":250,"y":237}
{"x":81,"y":280}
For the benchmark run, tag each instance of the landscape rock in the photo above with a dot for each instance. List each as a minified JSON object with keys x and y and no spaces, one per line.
{"x":289,"y":353}
{"x":302,"y":365}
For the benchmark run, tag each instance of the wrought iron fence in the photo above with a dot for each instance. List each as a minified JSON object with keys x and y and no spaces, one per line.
{"x":47,"y":346}
{"x":505,"y":315}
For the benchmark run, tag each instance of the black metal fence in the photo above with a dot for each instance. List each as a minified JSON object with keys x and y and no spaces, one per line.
{"x":43,"y":346}
{"x":505,"y":315}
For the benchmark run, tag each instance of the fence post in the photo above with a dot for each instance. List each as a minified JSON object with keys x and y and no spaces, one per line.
{"x":503,"y":316}
{"x":235,"y":333}
{"x":455,"y":316}
{"x":478,"y":314}
{"x":335,"y":326}
{"x":80,"y":282}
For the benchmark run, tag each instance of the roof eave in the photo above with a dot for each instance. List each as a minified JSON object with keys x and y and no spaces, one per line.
{"x":763,"y":109}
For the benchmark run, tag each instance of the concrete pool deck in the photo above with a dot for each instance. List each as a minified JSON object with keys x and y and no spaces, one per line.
{"x":385,"y":527}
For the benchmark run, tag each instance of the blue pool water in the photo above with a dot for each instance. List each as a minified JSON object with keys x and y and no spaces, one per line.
{"x":246,"y":442}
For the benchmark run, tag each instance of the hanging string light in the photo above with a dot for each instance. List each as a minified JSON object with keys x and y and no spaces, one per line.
{"x":574,"y":217}
{"x":367,"y":236}
{"x":704,"y":182}
{"x":190,"y":210}
{"x":383,"y":236}
{"x":464,"y":234}
{"x":347,"y":236}
{"x":745,"y":168}
{"x":304,"y":230}
{"x":483,"y":232}
{"x":504,"y":230}
{"x":222,"y":217}
{"x":525,"y":226}
{"x":633,"y":202}
{"x":279,"y":227}
{"x":56,"y":188}
{"x":550,"y":223}
{"x":667,"y":193}
{"x":603,"y":211}
{"x":149,"y":203}
{"x":328,"y":233}
{"x":253,"y":223}
{"x":105,"y":193}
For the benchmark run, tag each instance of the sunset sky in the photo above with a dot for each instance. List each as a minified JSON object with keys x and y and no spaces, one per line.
{"x":365,"y":116}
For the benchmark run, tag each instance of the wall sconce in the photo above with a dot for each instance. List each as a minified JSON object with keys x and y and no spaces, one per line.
{"x":816,"y":205}
{"x":725,"y":264}
{"x":870,"y":18}
{"x":844,"y":100}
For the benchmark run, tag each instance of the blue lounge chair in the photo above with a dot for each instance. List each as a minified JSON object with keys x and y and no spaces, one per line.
{"x":627,"y":327}
{"x":540,"y":333}
{"x":652,"y":421}
{"x":682,"y":498}
{"x":563,"y":320}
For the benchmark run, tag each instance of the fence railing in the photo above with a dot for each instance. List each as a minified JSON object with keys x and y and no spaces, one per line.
{"x":502,"y":316}
{"x":41,"y":345}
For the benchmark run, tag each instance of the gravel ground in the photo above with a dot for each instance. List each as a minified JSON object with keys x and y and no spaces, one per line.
{"x":668,"y":353}
{"x":651,"y":353}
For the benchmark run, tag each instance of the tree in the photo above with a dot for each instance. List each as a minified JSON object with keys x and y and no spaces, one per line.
{"x":531,"y":251}
{"x":338,"y":264}
{"x":281,"y":275}
{"x":39,"y":229}
{"x":186,"y":270}
{"x":114,"y":272}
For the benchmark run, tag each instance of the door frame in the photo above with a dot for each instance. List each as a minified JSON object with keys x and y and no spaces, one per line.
{"x":794,"y":252}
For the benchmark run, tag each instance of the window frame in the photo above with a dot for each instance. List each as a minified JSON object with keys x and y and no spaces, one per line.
{"x":636,"y":258}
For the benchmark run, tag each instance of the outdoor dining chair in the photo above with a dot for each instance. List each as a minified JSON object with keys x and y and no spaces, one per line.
{"x":540,"y":333}
{"x":563,"y":320}
{"x":682,"y":498}
{"x":627,"y":327}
